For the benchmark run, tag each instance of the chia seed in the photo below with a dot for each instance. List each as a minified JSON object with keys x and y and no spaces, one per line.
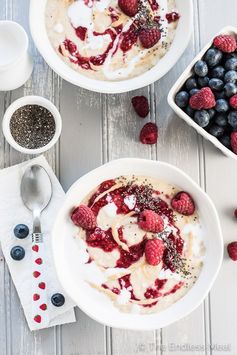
{"x":32,"y":126}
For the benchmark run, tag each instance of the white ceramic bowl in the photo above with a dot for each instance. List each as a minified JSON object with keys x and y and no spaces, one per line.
{"x":180,"y":82}
{"x":39,"y":34}
{"x":97,"y":305}
{"x":31,"y":100}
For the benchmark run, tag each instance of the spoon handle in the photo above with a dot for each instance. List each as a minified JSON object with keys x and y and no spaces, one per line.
{"x":40,"y":313}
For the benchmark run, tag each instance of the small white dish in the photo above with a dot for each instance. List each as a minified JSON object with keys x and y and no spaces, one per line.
{"x":40,"y":37}
{"x":31,"y":100}
{"x":94,"y":303}
{"x":16,"y":63}
{"x":180,"y":82}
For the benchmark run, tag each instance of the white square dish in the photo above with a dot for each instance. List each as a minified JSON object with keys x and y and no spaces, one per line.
{"x":180,"y":82}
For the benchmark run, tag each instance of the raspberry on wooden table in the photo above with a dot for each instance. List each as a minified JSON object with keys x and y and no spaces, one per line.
{"x":150,"y":221}
{"x":83,"y":216}
{"x":141,"y":105}
{"x":149,"y":36}
{"x":129,"y":7}
{"x":183,"y":203}
{"x":232,"y":250}
{"x":154,"y":251}
{"x":204,"y":99}
{"x":149,"y":133}
{"x":226,"y":43}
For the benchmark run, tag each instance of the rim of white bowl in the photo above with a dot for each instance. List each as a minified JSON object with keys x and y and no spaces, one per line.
{"x":44,"y":46}
{"x":62,"y":274}
{"x":179,"y":83}
{"x":31,"y":100}
{"x":24,"y":46}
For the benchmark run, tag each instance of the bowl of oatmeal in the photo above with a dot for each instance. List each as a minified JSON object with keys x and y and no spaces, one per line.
{"x":107,"y":46}
{"x":137,"y":244}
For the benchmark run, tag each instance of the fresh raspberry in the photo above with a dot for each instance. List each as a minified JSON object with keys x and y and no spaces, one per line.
{"x":129,"y":7}
{"x":226,"y":43}
{"x":235,"y":213}
{"x":150,"y":221}
{"x":204,"y":99}
{"x":172,"y":17}
{"x":232,"y":250}
{"x":149,"y":133}
{"x":154,"y":251}
{"x":83,"y":216}
{"x":141,"y":105}
{"x":149,"y":36}
{"x":183,"y":203}
{"x":233,"y":141}
{"x":233,"y":102}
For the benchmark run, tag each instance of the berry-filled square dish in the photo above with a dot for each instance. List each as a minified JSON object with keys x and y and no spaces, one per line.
{"x":142,"y":240}
{"x":205,"y":95}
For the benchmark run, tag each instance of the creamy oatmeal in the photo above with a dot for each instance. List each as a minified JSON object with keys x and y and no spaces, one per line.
{"x":97,"y":39}
{"x":135,"y":247}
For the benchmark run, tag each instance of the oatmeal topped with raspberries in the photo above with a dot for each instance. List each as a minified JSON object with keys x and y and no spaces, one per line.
{"x":111,"y":39}
{"x":142,"y":241}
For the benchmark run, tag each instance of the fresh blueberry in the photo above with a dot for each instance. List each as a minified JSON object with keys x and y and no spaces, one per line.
{"x":216,"y":131}
{"x":231,"y":64}
{"x":230,"y":89}
{"x":182,"y":98}
{"x":201,"y":68}
{"x":225,"y":140}
{"x":17,"y":253}
{"x":189,"y":111}
{"x":191,"y":84}
{"x":221,"y":105}
{"x":213,"y":57}
{"x":203,"y":82}
{"x":216,"y":84}
{"x":221,"y":120}
{"x":58,"y":300}
{"x":21,"y":231}
{"x":220,"y":95}
{"x":232,"y":119}
{"x":193,"y":92}
{"x":218,"y":72}
{"x":230,"y":76}
{"x":211,"y":112}
{"x":202,"y":118}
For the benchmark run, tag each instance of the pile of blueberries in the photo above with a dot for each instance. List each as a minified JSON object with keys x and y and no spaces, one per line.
{"x":21,"y":231}
{"x":218,"y":71}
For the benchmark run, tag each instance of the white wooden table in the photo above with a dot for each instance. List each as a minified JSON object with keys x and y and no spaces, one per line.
{"x":98,"y":128}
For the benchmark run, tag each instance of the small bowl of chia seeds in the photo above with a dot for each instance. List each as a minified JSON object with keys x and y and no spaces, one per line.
{"x":32,"y":125}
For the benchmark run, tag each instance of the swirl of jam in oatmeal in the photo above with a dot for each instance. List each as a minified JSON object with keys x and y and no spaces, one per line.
{"x":111,"y":39}
{"x":144,"y":237}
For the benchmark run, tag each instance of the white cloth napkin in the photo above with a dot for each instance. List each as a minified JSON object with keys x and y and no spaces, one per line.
{"x":13,"y":212}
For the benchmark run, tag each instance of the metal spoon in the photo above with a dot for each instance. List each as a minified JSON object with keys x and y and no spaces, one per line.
{"x":36,"y":193}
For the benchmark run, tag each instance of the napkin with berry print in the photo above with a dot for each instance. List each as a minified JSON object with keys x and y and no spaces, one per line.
{"x":12,"y":213}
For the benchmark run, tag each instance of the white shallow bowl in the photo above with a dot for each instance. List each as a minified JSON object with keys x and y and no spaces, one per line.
{"x":40,"y":37}
{"x":31,"y":100}
{"x":97,"y":305}
{"x":180,"y":82}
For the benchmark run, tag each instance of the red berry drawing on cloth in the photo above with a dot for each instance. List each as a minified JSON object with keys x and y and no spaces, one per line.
{"x":35,"y":248}
{"x":36,"y":274}
{"x":37,"y":318}
{"x":42,"y":285}
{"x":232,"y":250}
{"x":43,"y":306}
{"x":36,"y":297}
{"x":39,"y":261}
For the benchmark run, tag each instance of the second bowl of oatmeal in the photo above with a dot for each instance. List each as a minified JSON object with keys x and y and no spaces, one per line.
{"x":137,"y":244}
{"x":105,"y":47}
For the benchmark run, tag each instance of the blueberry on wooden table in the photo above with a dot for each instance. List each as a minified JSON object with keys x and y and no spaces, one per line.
{"x":21,"y":231}
{"x":17,"y":253}
{"x":58,"y":300}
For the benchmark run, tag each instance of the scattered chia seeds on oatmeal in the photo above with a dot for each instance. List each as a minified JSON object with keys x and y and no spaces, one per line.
{"x":32,"y":126}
